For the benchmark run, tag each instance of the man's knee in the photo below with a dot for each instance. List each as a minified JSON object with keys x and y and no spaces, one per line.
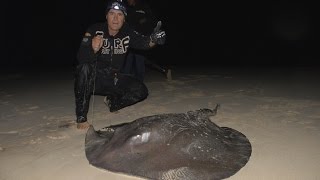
{"x":85,"y":69}
{"x":84,"y":73}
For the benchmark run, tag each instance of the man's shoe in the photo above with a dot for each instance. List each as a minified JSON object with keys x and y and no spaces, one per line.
{"x":81,"y":119}
{"x":108,"y":103}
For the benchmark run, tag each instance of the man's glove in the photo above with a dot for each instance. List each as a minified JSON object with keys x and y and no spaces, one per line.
{"x":158,"y":36}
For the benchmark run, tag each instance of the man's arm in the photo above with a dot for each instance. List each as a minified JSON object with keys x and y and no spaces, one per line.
{"x":89,"y":47}
{"x":139,"y":41}
{"x":85,"y":53}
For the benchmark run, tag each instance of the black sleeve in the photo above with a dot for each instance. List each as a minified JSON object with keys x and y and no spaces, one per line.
{"x":85,"y":53}
{"x":137,"y":40}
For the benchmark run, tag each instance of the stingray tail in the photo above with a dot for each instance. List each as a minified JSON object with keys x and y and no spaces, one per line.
{"x":215,"y":110}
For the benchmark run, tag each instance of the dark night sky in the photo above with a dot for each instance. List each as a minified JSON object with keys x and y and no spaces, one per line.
{"x":227,"y":33}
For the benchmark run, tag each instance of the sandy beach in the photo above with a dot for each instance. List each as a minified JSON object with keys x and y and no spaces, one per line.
{"x":276,"y":108}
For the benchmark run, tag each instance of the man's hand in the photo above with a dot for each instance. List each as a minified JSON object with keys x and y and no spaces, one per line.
{"x":158,"y":36}
{"x":97,"y":42}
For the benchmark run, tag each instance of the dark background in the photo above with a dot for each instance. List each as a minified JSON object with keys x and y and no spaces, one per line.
{"x":240,"y":33}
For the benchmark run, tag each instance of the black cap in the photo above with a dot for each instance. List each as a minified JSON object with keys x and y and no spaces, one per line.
{"x":117,"y":5}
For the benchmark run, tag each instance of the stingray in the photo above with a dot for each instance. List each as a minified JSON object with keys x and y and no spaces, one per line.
{"x":173,"y":146}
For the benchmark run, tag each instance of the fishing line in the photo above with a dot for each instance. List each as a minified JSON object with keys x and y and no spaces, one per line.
{"x":93,"y":91}
{"x":98,"y":33}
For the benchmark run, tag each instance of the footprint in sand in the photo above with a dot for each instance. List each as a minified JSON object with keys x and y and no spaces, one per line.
{"x":9,"y":132}
{"x":34,"y":141}
{"x":68,"y":124}
{"x":197,"y":94}
{"x":27,"y":110}
{"x":33,"y":107}
{"x":61,"y":122}
{"x":56,"y":137}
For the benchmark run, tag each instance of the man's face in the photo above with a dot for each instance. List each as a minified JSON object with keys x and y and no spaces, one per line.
{"x":115,"y":19}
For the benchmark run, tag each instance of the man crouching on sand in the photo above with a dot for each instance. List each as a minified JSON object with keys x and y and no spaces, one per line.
{"x":100,"y":58}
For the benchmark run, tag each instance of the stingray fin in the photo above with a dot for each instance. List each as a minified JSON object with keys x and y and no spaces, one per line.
{"x":91,"y":136}
{"x":94,"y":142}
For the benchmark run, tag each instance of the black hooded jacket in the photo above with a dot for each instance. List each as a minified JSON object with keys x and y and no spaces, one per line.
{"x":114,"y":49}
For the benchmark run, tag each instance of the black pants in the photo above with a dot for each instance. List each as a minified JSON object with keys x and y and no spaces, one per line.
{"x":135,"y":65}
{"x":88,"y":80}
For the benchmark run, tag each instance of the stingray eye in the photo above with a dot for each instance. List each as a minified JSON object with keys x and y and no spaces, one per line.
{"x":135,"y":138}
{"x":140,"y":138}
{"x":145,"y":137}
